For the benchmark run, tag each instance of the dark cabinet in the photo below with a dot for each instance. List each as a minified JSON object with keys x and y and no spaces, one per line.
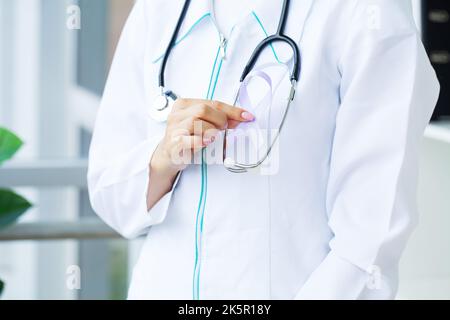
{"x":436,"y":35}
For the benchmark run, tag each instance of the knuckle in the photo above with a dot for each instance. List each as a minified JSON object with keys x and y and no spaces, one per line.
{"x":192,"y":123}
{"x":223,"y":119}
{"x":202,"y":110}
{"x":218,"y":105}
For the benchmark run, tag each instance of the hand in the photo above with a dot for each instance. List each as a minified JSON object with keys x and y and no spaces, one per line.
{"x":192,"y":125}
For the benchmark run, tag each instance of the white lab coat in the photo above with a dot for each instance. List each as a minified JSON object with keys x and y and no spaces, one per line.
{"x":334,"y":219}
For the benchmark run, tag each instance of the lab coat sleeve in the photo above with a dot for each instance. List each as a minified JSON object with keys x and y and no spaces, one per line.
{"x":122,"y":145}
{"x":388,"y":93}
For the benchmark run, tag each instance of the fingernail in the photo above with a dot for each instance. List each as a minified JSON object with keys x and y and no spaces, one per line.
{"x":247,"y":116}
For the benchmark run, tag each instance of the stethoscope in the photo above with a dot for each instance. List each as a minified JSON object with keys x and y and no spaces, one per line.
{"x":165,"y":99}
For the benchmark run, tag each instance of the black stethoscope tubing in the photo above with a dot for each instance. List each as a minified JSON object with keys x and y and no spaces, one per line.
{"x":172,"y":43}
{"x":278,"y":37}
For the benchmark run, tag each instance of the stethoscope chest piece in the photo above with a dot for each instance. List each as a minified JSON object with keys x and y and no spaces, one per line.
{"x":162,"y":106}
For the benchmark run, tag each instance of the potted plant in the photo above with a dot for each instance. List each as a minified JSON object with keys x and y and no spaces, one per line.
{"x":12,"y":205}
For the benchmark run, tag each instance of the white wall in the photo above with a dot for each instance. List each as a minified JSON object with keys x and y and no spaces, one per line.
{"x":425,"y":266}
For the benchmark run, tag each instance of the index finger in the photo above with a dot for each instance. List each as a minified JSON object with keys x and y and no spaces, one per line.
{"x":232,"y":112}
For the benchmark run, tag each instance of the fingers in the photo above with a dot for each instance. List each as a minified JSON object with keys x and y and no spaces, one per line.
{"x":231,"y":112}
{"x":204,"y":112}
{"x":234,"y":113}
{"x":182,"y":147}
{"x":191,"y":142}
{"x":233,"y":124}
{"x":194,"y":126}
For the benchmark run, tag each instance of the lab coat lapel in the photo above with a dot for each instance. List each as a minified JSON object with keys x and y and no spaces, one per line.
{"x":297,"y":19}
{"x":197,"y":14}
{"x":197,"y":9}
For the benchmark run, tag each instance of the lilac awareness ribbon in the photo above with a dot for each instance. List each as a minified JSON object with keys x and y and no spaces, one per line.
{"x":264,"y":106}
{"x":262,"y":109}
{"x":259,"y":109}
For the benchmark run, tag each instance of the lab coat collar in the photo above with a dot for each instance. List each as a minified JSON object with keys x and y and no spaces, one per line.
{"x":298,"y":14}
{"x":265,"y":15}
{"x":200,"y":8}
{"x":197,"y":13}
{"x":197,"y":9}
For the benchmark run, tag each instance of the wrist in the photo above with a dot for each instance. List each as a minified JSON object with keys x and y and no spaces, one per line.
{"x":162,"y":176}
{"x":161,"y":163}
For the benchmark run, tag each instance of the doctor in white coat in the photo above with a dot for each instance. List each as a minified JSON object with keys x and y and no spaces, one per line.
{"x":331,"y":222}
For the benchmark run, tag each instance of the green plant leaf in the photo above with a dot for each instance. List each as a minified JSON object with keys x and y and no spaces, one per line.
{"x":2,"y":286}
{"x":12,"y":206}
{"x":9,"y":144}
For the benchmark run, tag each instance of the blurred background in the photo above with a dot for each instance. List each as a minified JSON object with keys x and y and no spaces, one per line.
{"x":52,"y":76}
